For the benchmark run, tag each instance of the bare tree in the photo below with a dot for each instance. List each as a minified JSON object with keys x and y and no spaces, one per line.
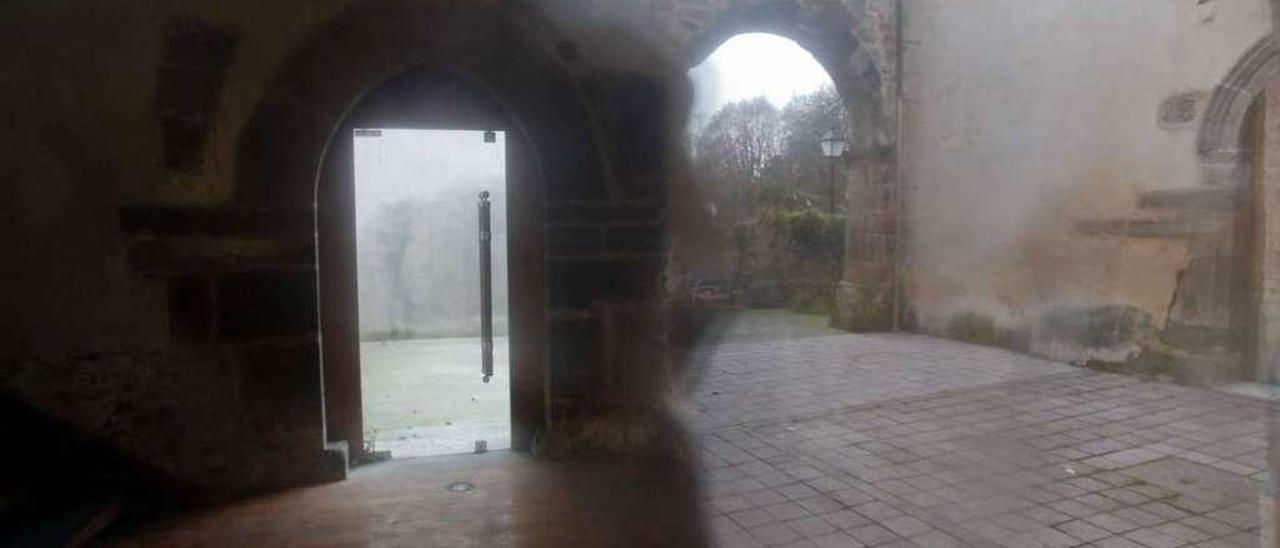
{"x":737,"y":146}
{"x":767,"y":170}
{"x":801,"y":169}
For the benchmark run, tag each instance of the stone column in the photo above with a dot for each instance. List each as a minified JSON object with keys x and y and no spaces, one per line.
{"x":1267,"y":203}
{"x":864,"y":296}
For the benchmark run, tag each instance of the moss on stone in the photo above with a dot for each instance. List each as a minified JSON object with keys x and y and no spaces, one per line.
{"x":973,"y":328}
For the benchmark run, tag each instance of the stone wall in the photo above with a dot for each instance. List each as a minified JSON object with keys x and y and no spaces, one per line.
{"x":169,"y":334}
{"x":161,"y":289}
{"x":169,"y":171}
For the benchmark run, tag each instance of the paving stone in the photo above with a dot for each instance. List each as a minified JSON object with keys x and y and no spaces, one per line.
{"x":1073,"y":508}
{"x":1126,"y":496}
{"x":906,"y":526}
{"x":1084,"y":531}
{"x":872,"y":535}
{"x":754,"y":517}
{"x":797,"y":491}
{"x":1016,"y":523}
{"x":1164,"y":510}
{"x":811,"y":527}
{"x":937,"y":539}
{"x":827,"y":484}
{"x":820,"y":505}
{"x":764,"y":497}
{"x":1181,"y":532}
{"x":732,"y":503}
{"x":1046,"y":516}
{"x":1152,"y":538}
{"x":1014,"y":448}
{"x":775,"y":533}
{"x":740,"y":539}
{"x":786,"y":511}
{"x":877,"y":510}
{"x":1213,"y":527}
{"x":1111,"y":523}
{"x":846,"y":519}
{"x":1140,"y":517}
{"x":852,"y":497}
{"x":1117,"y":542}
{"x":837,"y":540}
{"x":1049,"y":537}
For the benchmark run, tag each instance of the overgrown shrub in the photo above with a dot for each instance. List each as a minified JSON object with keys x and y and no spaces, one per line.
{"x":810,"y":234}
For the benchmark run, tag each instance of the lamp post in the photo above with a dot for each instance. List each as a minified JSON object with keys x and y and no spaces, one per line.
{"x":833,"y":146}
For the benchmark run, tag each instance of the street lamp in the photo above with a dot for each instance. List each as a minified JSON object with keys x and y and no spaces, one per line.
{"x":833,"y":146}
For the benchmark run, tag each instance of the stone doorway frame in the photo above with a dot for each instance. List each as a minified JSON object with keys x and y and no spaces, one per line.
{"x":287,"y":143}
{"x":859,"y":46}
{"x":1228,"y":136}
{"x":398,"y":104}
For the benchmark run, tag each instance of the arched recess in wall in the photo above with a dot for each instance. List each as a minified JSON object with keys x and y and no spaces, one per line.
{"x":296,"y":127}
{"x":1221,"y":142}
{"x":1229,"y":154}
{"x":825,"y":31}
{"x":867,"y":298}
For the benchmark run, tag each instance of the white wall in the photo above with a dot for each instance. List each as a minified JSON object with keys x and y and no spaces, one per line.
{"x":1022,"y":117}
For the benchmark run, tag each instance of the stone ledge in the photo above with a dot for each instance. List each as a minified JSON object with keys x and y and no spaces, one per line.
{"x":220,"y":221}
{"x":183,"y":256}
{"x":1191,"y":198}
{"x":1154,"y":229}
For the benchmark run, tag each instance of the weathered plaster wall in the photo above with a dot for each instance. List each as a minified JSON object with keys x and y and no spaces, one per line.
{"x":1024,"y":119}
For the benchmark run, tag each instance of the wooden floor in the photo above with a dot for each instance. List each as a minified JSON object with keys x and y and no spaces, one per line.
{"x":517,"y":501}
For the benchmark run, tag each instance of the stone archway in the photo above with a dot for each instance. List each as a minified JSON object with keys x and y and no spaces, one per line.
{"x":1220,"y":143}
{"x":1238,"y":148}
{"x":291,"y":135}
{"x":427,"y":97}
{"x":858,"y":45}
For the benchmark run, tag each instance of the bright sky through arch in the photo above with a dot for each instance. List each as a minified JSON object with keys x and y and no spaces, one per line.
{"x":750,"y":65}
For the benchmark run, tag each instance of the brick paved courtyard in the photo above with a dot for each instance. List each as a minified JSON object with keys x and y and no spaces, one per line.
{"x":900,"y":440}
{"x":831,"y":440}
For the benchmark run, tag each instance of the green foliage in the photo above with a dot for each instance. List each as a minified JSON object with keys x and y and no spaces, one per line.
{"x":751,"y":157}
{"x":809,"y":233}
{"x":764,"y":170}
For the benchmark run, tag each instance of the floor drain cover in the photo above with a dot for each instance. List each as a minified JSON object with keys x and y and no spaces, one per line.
{"x":461,"y":486}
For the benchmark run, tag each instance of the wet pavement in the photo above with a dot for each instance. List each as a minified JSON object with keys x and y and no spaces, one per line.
{"x":902,"y":440}
{"x":833,"y":440}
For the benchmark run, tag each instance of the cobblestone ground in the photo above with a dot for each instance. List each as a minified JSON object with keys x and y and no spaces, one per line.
{"x":899,"y":440}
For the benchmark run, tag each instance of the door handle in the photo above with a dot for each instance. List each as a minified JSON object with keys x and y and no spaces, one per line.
{"x":486,"y":289}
